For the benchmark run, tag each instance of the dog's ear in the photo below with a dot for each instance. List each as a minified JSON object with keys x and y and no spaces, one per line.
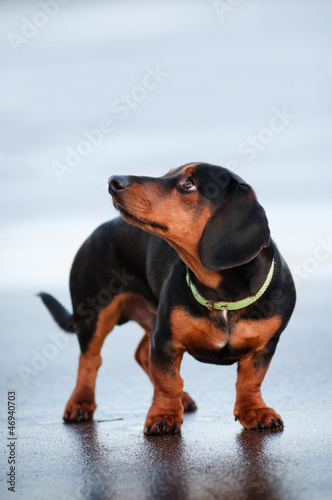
{"x":236,"y":232}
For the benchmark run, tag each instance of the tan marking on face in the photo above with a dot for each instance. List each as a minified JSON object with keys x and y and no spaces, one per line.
{"x":183,"y":170}
{"x":191,"y":333}
{"x":184,"y":216}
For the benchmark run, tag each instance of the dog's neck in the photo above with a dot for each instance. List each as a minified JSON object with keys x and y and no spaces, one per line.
{"x":210,"y":279}
{"x":233,"y":284}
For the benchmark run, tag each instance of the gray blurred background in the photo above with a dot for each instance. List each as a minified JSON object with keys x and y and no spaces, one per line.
{"x":225,"y":72}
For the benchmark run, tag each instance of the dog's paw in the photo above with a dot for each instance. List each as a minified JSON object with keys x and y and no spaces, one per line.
{"x":79,"y":410}
{"x":162,"y":425}
{"x":259,"y":418}
{"x":188,"y":403}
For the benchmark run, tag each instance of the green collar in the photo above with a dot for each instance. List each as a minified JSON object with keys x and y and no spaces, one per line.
{"x":230,"y":306}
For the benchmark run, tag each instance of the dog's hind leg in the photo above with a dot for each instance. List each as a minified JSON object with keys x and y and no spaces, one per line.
{"x":142,"y":358}
{"x":142,"y":352}
{"x":81,"y":404}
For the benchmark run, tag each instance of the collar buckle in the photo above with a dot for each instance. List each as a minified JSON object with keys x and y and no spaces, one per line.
{"x":210,"y":305}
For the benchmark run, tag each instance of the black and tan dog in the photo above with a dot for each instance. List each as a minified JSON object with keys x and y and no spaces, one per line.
{"x":192,"y":262}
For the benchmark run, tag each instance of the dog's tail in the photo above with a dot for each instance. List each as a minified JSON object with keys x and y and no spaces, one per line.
{"x":59,"y":313}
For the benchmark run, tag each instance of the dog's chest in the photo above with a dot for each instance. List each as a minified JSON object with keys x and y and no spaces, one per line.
{"x":219,"y":341}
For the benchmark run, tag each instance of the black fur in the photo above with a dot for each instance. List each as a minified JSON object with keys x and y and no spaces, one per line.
{"x":59,"y":313}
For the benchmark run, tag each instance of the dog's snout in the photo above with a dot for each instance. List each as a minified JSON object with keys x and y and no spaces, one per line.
{"x":117,"y":183}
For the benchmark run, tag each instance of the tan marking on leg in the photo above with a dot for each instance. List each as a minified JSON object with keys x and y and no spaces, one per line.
{"x":142,"y":358}
{"x":144,"y":314}
{"x":248,"y":385}
{"x":81,"y":404}
{"x":142,"y":353}
{"x":166,"y":412}
{"x":250,"y":409}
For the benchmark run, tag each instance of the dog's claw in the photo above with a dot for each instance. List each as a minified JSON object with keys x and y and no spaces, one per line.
{"x":281,"y":422}
{"x":163,"y":425}
{"x":260,"y":425}
{"x":236,"y":417}
{"x":154,"y":432}
{"x":275,"y":423}
{"x":166,"y":429}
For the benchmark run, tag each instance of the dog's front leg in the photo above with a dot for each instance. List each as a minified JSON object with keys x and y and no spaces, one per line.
{"x":166,"y":413}
{"x":250,"y":409}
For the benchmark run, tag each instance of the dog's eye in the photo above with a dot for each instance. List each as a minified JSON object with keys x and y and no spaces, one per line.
{"x":189,"y":184}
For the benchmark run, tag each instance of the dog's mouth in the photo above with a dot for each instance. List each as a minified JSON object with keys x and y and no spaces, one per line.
{"x":138,"y":221}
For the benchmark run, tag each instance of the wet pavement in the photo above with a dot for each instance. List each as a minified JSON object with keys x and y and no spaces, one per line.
{"x":214,"y":458}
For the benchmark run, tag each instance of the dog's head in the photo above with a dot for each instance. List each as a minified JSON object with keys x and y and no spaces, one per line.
{"x":204,"y":211}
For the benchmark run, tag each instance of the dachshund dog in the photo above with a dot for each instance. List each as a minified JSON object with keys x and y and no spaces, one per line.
{"x":191,"y":261}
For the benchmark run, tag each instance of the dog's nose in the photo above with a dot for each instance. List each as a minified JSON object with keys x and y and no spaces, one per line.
{"x":117,"y":183}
